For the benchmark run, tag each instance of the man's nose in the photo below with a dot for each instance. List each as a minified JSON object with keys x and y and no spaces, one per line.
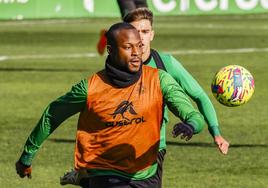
{"x":141,"y":35}
{"x":135,"y":51}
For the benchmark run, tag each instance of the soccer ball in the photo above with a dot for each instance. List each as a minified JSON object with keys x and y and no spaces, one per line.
{"x":233,"y":85}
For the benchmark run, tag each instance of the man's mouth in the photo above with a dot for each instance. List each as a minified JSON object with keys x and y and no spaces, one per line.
{"x":135,"y":62}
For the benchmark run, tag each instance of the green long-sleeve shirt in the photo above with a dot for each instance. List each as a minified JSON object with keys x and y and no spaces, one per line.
{"x":192,"y":89}
{"x":75,"y":101}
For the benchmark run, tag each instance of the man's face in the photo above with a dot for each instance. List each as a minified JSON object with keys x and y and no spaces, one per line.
{"x":147,"y":34}
{"x":129,"y":50}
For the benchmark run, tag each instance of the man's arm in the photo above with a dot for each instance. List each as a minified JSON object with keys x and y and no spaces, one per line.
{"x":59,"y":110}
{"x":197,"y":94}
{"x":178,"y":102}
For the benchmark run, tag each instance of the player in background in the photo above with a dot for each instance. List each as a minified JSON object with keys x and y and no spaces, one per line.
{"x":142,"y":20}
{"x":125,"y":7}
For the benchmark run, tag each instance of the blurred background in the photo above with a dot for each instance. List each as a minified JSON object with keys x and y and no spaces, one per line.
{"x":47,"y":46}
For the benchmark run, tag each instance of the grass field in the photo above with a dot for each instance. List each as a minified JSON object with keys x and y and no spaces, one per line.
{"x":41,"y":60}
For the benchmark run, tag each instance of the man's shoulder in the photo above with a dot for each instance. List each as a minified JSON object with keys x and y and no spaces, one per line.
{"x":100,"y":75}
{"x":149,"y":68}
{"x":170,"y":63}
{"x":165,"y":57}
{"x":149,"y":71}
{"x":164,"y":54}
{"x":101,"y":72}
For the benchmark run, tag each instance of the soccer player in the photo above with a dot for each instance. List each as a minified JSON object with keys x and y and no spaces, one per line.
{"x":125,"y":7}
{"x":121,"y":107}
{"x":142,"y":20}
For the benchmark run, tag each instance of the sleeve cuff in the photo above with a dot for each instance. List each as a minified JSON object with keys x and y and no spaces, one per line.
{"x":26,"y":158}
{"x":197,"y":127}
{"x":214,"y":131}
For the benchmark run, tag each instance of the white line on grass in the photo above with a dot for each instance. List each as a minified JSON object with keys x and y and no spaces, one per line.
{"x":218,"y":51}
{"x":2,"y":58}
{"x":43,"y":22}
{"x":213,"y":26}
{"x":176,"y":52}
{"x":176,"y":26}
{"x":48,"y":56}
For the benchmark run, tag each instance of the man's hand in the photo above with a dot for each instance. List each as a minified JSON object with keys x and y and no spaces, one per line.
{"x":184,"y":129}
{"x":223,"y":145}
{"x":23,"y":170}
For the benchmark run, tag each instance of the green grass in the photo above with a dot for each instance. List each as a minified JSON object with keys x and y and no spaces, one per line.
{"x":29,"y":84}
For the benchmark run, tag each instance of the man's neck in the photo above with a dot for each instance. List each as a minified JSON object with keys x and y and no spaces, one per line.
{"x":146,"y":56}
{"x":121,"y":78}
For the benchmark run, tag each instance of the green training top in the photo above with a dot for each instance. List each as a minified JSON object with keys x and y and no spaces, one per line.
{"x":75,"y":101}
{"x":192,"y":89}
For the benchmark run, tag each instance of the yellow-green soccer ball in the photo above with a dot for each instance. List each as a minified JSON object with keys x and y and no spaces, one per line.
{"x":233,"y":85}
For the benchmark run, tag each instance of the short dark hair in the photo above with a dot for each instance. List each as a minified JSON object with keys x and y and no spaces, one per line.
{"x":139,"y":14}
{"x":112,"y":32}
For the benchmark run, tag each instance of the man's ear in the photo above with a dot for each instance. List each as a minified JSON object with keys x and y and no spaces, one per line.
{"x":152,"y":35}
{"x":109,"y":49}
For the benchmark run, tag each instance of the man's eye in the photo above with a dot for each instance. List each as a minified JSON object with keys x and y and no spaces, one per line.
{"x":146,"y":32}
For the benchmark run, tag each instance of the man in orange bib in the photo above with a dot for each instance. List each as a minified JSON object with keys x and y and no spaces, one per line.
{"x":121,"y":110}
